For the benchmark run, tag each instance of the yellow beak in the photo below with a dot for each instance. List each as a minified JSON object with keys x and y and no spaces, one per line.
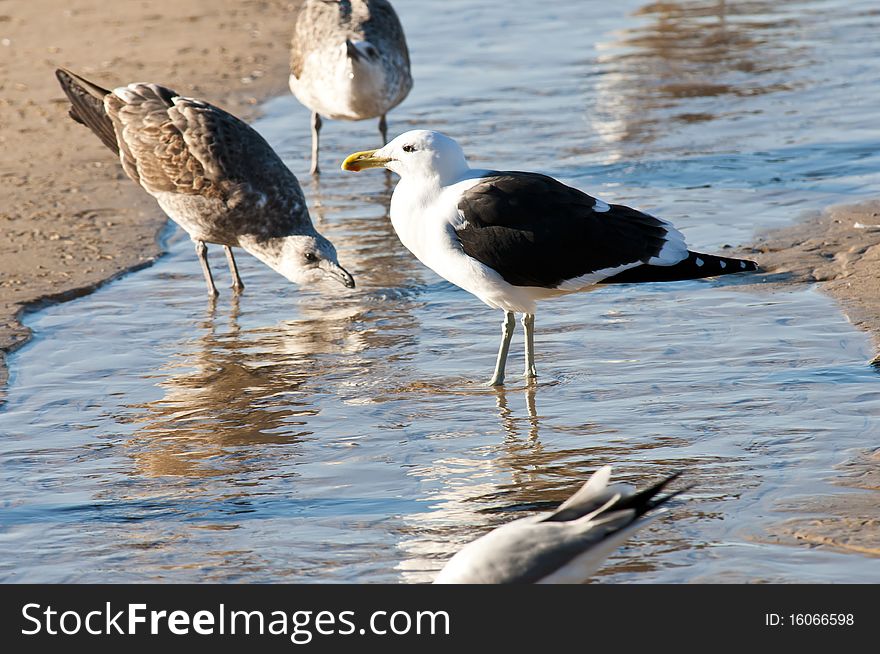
{"x":363,"y":160}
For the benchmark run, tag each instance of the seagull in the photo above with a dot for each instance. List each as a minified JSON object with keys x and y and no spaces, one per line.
{"x":513,"y":238}
{"x":349,"y":61}
{"x":211,"y":173}
{"x":564,"y":546}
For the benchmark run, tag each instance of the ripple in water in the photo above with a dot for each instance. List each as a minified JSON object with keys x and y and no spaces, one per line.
{"x":295,"y":435}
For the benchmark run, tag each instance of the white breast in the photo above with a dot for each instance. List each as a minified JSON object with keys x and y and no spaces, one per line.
{"x":332,"y":86}
{"x":422,"y":222}
{"x":425,"y":221}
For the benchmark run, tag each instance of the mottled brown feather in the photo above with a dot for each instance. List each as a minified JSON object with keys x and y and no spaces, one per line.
{"x":227,"y":180}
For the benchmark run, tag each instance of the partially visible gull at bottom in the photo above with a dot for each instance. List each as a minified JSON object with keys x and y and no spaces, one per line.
{"x":513,"y":238}
{"x":211,"y":173}
{"x":565,"y":546}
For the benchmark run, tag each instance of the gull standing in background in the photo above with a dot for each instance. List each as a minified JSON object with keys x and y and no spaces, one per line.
{"x":211,"y":173}
{"x":513,"y":238}
{"x":349,"y":61}
{"x":564,"y":546}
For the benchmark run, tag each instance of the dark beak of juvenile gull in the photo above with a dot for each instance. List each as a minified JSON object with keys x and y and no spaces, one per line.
{"x":352,"y":50}
{"x":337,"y":272}
{"x":363,"y":160}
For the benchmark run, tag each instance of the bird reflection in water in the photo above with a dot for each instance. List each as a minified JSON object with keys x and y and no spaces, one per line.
{"x":226,"y":392}
{"x":537,"y":464}
{"x":514,"y":441}
{"x":538,"y":474}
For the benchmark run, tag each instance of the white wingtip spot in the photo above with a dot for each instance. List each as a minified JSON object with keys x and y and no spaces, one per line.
{"x":722,"y":264}
{"x":699,"y":262}
{"x":125,"y":93}
{"x":742,"y":264}
{"x":601,"y":206}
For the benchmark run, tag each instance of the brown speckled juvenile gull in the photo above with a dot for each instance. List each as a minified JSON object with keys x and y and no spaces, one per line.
{"x":564,"y":546}
{"x":349,"y":61}
{"x":211,"y":173}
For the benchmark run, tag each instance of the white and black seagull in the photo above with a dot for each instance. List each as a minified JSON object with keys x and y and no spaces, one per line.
{"x":349,"y":61}
{"x":564,"y":546}
{"x":211,"y":173}
{"x":513,"y":238}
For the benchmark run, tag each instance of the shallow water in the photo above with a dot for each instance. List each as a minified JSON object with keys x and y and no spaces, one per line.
{"x":295,"y":435}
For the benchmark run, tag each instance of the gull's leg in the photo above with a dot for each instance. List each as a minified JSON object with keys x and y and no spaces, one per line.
{"x":506,"y":334}
{"x":383,"y":129}
{"x":237,"y":284}
{"x":316,"y":140}
{"x":202,"y":253}
{"x":528,"y":323}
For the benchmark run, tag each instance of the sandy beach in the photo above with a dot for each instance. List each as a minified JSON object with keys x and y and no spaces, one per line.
{"x":70,"y":218}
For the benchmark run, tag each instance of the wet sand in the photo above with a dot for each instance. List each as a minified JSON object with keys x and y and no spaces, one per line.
{"x":849,"y":522}
{"x":70,"y":218}
{"x":839,"y":249}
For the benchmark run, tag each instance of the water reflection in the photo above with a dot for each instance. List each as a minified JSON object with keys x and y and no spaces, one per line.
{"x":226,"y":391}
{"x":478,"y":491}
{"x":462,"y":507}
{"x":682,"y":56}
{"x":519,"y":475}
{"x":509,"y":420}
{"x":231,"y":391}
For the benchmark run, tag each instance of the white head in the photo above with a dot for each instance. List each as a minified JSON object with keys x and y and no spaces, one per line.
{"x":420,"y":153}
{"x":363,"y":66}
{"x":304,"y":259}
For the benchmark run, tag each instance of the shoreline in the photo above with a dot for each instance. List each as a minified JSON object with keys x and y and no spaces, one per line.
{"x":839,"y":249}
{"x":73,"y":221}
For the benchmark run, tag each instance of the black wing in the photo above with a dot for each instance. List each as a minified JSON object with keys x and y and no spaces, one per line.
{"x":536,"y":231}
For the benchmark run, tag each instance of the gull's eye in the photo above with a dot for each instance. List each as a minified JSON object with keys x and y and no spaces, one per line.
{"x":311,"y":257}
{"x":409,"y":148}
{"x":371,"y":52}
